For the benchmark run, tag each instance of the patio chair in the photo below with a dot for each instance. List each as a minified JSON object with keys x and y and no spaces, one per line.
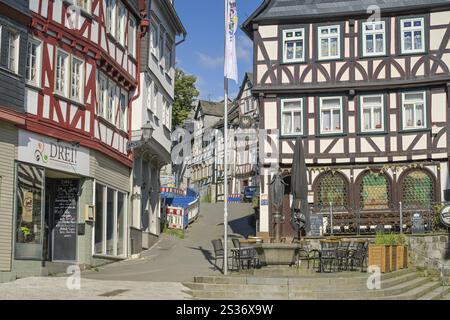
{"x":305,"y":254}
{"x":358,"y":256}
{"x":342,"y":255}
{"x":328,"y":255}
{"x":218,"y":253}
{"x":244,"y":255}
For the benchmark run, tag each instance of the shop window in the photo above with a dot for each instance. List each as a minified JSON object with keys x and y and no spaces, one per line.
{"x":331,"y":189}
{"x":29,"y":218}
{"x":418,"y":190}
{"x":110,"y":220}
{"x":374,"y":191}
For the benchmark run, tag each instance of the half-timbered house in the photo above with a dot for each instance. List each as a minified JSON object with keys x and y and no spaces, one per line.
{"x":72,"y":170}
{"x":367,"y":91}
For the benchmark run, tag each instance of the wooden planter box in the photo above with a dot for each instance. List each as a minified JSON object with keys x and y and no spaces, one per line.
{"x":402,"y":257}
{"x":380,"y":255}
{"x":393,"y":257}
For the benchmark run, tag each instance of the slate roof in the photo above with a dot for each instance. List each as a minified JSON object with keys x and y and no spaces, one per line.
{"x":295,"y":9}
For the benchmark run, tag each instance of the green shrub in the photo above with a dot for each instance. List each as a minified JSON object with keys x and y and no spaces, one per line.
{"x":390,"y":239}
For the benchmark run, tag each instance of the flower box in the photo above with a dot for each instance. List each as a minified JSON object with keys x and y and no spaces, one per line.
{"x":380,"y":255}
{"x":402,"y":257}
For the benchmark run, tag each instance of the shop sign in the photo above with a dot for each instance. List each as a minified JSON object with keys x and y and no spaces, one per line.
{"x":53,"y":154}
{"x":445,"y":216}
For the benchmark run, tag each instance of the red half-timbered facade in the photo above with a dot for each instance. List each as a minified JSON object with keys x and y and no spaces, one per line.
{"x":84,"y":85}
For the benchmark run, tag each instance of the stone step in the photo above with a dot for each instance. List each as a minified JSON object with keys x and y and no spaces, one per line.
{"x":416,"y":293}
{"x":436,"y":294}
{"x":301,"y":284}
{"x":229,"y":295}
{"x":446,"y":297}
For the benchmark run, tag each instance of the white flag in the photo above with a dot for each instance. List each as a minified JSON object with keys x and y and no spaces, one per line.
{"x":231,"y":23}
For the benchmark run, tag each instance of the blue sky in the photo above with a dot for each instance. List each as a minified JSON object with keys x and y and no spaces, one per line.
{"x":202,"y":52}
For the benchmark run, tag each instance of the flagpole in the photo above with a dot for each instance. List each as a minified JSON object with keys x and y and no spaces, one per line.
{"x":225,"y":171}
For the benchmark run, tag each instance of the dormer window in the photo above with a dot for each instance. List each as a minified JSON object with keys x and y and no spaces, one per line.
{"x":294,"y":45}
{"x":329,"y":38}
{"x":412,"y":33}
{"x":374,"y":38}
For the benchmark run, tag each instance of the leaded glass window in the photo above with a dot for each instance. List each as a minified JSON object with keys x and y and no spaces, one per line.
{"x":418,"y":190}
{"x":374,"y":191}
{"x":332,"y":188}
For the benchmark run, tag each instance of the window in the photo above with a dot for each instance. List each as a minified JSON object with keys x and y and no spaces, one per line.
{"x":33,"y":61}
{"x":103,"y":95}
{"x":84,"y":4}
{"x":331,"y":188}
{"x":164,"y":111}
{"x":412,"y":35}
{"x":417,"y":190}
{"x":12,"y":50}
{"x":292,"y":116}
{"x":247,"y":105}
{"x":76,"y":85}
{"x":413,"y":109}
{"x":121,"y":21}
{"x":374,"y":38}
{"x":153,"y":38}
{"x":294,"y":45}
{"x":111,"y":17}
{"x":374,"y":191}
{"x":123,"y":112}
{"x":110,"y":111}
{"x":110,"y":221}
{"x":61,"y":72}
{"x":372,"y":113}
{"x":329,"y":42}
{"x":161,"y":44}
{"x":132,"y":37}
{"x":155,"y":98}
{"x":168,"y":56}
{"x":331,"y":115}
{"x":149,"y":96}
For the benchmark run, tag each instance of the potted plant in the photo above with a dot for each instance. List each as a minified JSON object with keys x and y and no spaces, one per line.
{"x":380,"y":253}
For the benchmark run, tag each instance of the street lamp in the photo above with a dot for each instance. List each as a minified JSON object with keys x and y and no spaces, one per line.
{"x":147,"y":132}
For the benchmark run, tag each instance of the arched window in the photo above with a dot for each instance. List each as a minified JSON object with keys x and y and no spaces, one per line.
{"x":417,"y":190}
{"x":331,"y":188}
{"x":374,"y":191}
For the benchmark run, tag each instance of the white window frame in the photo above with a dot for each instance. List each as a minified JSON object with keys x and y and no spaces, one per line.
{"x":103,"y":95}
{"x":168,"y":55}
{"x":84,"y":5}
{"x":154,"y":38}
{"x":161,"y":43}
{"x":123,"y":125}
{"x":292,"y":111}
{"x":412,"y":29}
{"x":80,"y":96}
{"x":38,"y":62}
{"x":155,"y":95}
{"x":414,"y":102}
{"x":362,"y":106}
{"x":62,"y":82}
{"x":328,"y":37}
{"x":132,"y":29}
{"x":111,"y":105}
{"x":111,"y":8}
{"x":322,"y":109}
{"x":16,"y":46}
{"x":149,"y":93}
{"x":294,"y":39}
{"x":373,"y":33}
{"x":121,"y":22}
{"x":164,"y":110}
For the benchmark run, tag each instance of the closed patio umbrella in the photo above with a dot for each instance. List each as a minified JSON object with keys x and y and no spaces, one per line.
{"x":299,"y":190}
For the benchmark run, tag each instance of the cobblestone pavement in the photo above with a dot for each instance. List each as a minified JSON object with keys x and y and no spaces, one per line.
{"x":157,"y":274}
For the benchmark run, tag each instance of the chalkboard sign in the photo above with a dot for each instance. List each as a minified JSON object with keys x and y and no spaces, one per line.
{"x":316,"y":224}
{"x":66,"y":219}
{"x":417,"y":223}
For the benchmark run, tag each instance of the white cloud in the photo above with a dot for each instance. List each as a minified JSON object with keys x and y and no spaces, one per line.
{"x":208,"y":61}
{"x":244,"y":48}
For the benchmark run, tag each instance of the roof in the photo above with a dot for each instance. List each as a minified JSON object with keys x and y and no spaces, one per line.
{"x":247,"y":77}
{"x":211,"y":108}
{"x":174,"y":17}
{"x":286,"y":10}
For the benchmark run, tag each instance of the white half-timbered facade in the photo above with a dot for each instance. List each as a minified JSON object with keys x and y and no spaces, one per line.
{"x":368,"y":96}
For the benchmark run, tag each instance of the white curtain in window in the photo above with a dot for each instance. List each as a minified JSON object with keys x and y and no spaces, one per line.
{"x":336,"y":120}
{"x":326,"y":120}
{"x":287,"y":122}
{"x":297,"y":121}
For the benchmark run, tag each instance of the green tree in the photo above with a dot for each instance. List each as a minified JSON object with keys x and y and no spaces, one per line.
{"x":185,"y":94}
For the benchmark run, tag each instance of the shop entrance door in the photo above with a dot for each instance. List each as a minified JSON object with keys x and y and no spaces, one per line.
{"x":62,"y":215}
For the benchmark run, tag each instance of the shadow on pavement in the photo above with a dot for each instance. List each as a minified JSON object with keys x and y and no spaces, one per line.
{"x":206,"y":253}
{"x":242,"y":226}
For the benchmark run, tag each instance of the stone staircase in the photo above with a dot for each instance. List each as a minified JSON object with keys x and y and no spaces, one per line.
{"x":302,"y":284}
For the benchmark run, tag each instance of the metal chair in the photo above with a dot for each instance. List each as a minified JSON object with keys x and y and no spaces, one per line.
{"x":328,"y":255}
{"x":305,"y":254}
{"x":358,"y":256}
{"x":342,"y":254}
{"x":244,"y":255}
{"x":218,"y":252}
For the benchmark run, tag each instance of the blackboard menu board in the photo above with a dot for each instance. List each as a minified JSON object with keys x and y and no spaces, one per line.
{"x":66,"y":218}
{"x":316,"y":223}
{"x":417,"y":223}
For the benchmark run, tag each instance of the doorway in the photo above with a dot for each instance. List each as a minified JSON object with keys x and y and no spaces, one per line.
{"x":61,"y":219}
